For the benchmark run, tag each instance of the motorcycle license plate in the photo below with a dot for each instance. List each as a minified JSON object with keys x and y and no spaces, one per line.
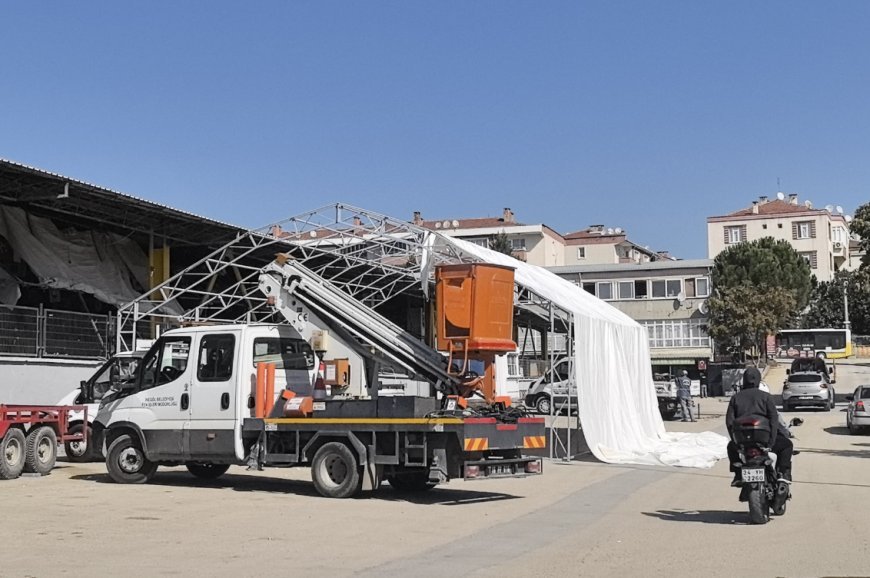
{"x":753,"y":474}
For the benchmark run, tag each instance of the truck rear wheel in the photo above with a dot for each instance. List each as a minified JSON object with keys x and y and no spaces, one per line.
{"x":207,"y":471}
{"x":336,"y":471}
{"x":41,"y":450}
{"x":126,"y":462}
{"x":12,"y":454}
{"x":80,"y":451}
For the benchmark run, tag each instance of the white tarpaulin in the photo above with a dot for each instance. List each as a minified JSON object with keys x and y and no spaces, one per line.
{"x":619,"y":412}
{"x":97,"y":263}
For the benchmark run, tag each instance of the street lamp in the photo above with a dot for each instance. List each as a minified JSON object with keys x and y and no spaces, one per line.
{"x":846,"y":323}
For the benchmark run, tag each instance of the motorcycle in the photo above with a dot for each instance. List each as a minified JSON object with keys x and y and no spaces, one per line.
{"x":761,"y":489}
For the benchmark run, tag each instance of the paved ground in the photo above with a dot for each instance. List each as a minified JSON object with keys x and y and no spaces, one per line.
{"x":579,"y":519}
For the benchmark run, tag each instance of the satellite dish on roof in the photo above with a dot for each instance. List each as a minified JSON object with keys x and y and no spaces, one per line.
{"x":446,"y":224}
{"x":704,"y":308}
{"x":455,"y":223}
{"x":780,"y":196}
{"x":839,"y":210}
{"x":848,"y":218}
{"x":610,"y":231}
{"x":808,"y":204}
{"x":618,"y":230}
{"x":681,"y":297}
{"x":829,"y":208}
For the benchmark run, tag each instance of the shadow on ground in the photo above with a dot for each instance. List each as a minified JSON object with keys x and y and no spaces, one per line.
{"x":701,"y":516}
{"x":249,"y":483}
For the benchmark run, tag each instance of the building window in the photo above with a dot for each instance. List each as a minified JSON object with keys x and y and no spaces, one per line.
{"x":779,"y":225}
{"x":702,"y":287}
{"x":518,"y":244}
{"x":662,"y":288}
{"x":641,"y":289}
{"x":605,"y":290}
{"x":734,"y":235}
{"x":677,"y":333}
{"x":626,"y":290}
{"x":803,"y":230}
{"x":764,"y":225}
{"x":484,"y":242}
{"x":810,"y":257}
{"x":589,"y":288}
{"x":581,"y":252}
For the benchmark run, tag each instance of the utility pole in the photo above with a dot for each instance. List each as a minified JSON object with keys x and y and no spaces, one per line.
{"x":846,"y":323}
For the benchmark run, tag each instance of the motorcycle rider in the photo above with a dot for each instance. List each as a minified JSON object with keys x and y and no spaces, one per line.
{"x":752,"y":401}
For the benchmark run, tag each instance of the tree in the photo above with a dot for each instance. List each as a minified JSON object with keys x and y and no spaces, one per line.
{"x":501,"y":243}
{"x":760,"y":287}
{"x":860,"y":226}
{"x":827,"y":304}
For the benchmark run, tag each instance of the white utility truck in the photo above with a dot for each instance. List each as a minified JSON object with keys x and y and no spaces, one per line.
{"x":197,"y":401}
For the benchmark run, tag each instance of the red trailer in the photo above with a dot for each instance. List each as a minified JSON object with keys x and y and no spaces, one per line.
{"x":30,"y":434}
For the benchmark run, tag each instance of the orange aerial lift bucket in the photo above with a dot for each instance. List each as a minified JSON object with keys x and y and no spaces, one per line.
{"x":475,"y":309}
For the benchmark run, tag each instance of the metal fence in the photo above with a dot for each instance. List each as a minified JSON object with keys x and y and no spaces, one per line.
{"x":38,"y":332}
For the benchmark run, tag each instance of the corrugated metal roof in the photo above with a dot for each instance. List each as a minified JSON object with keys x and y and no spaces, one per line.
{"x":45,"y":173}
{"x":25,"y":185}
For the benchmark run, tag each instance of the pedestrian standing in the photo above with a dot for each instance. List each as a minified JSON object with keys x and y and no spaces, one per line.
{"x":684,"y":395}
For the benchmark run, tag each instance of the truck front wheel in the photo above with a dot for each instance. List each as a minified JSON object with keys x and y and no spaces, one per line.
{"x":336,"y":471}
{"x":80,"y":451}
{"x":126,"y":462}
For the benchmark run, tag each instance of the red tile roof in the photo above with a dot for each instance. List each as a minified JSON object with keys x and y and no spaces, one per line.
{"x":470,"y":223}
{"x":775,"y":207}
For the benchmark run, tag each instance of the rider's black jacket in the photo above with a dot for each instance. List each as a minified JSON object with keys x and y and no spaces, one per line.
{"x":751,"y":401}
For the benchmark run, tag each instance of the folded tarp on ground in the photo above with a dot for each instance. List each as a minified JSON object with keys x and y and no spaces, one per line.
{"x":619,"y":412}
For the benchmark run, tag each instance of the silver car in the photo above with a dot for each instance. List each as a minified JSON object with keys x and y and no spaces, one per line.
{"x":807,"y":389}
{"x":546,"y":395}
{"x":858,"y":412}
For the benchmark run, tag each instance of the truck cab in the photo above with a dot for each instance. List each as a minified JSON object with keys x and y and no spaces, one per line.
{"x":195,"y":387}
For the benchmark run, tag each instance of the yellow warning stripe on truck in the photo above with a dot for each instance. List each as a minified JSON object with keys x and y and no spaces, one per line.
{"x":534,"y":442}
{"x":374,"y":420}
{"x":476,"y":444}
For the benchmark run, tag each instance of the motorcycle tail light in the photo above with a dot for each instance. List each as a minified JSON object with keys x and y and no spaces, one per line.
{"x":753,"y":452}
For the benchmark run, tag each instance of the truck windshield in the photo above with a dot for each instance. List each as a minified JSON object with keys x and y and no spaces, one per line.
{"x":284,"y":352}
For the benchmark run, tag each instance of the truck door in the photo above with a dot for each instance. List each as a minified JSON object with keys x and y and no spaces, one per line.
{"x":161,"y":404}
{"x":213,"y":399}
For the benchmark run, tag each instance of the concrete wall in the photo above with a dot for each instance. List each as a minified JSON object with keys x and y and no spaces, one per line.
{"x":596,"y":254}
{"x":41,"y":381}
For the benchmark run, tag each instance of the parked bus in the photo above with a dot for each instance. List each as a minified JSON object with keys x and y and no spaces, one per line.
{"x":828,"y":343}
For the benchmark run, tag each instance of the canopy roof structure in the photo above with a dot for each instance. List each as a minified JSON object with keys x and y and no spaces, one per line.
{"x":376,"y":259}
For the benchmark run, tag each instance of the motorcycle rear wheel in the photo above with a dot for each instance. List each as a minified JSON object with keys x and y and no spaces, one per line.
{"x":759,"y":512}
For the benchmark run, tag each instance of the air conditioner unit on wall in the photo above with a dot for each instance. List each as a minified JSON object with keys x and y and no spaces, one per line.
{"x":838,"y":245}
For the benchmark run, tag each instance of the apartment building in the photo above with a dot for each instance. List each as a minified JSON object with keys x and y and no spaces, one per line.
{"x":535,"y":244}
{"x":667,"y":297}
{"x":599,"y":245}
{"x":543,"y":246}
{"x":821,"y":236}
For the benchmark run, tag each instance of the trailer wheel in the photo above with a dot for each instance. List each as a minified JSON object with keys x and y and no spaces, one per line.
{"x":126,"y":462}
{"x":41,"y":450}
{"x":336,"y":471}
{"x":411,"y":482}
{"x":207,"y":471}
{"x":80,"y":452}
{"x":12,"y":454}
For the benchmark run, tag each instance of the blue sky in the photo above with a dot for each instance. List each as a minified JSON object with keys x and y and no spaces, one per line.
{"x":649,"y":116}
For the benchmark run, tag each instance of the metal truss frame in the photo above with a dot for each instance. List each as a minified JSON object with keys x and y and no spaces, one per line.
{"x":370,"y":256}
